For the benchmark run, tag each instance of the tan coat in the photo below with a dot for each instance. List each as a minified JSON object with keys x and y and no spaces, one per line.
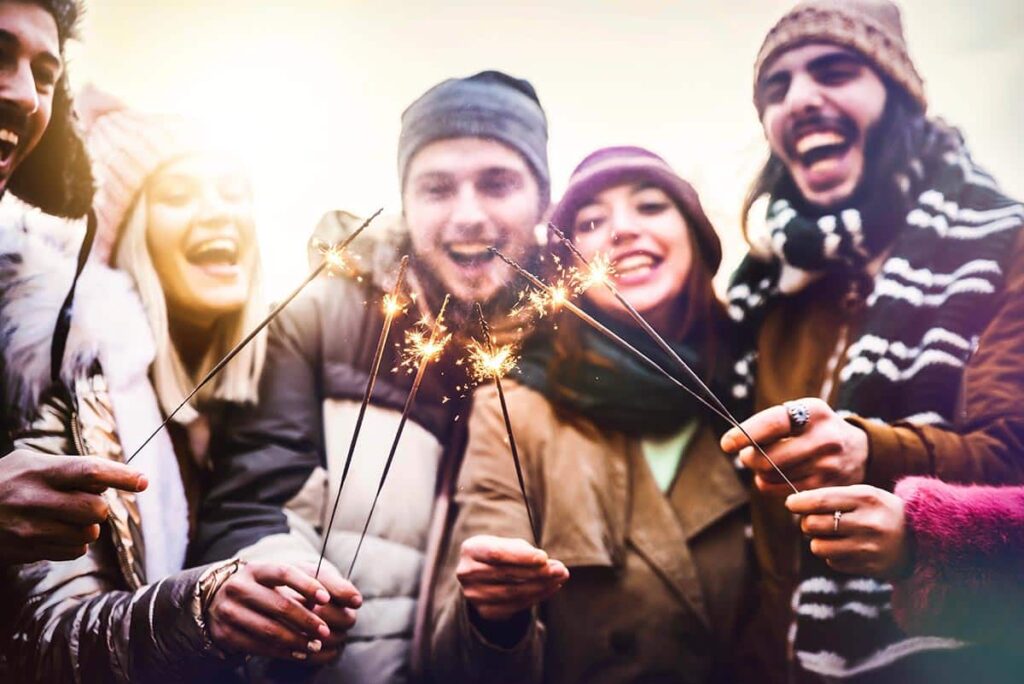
{"x":657,"y":582}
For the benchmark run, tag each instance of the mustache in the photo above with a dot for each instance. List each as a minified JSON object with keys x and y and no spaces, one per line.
{"x":12,"y":117}
{"x":799,"y":126}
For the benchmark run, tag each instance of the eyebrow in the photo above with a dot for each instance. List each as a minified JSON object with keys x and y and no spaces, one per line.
{"x":46,"y":56}
{"x":833,"y":59}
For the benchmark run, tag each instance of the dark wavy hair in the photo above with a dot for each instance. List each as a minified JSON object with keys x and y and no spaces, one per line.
{"x":56,"y":176}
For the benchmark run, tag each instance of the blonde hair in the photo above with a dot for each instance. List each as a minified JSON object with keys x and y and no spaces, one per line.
{"x":238,"y":381}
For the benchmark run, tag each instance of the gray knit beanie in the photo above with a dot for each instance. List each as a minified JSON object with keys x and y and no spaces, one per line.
{"x":489,"y":104}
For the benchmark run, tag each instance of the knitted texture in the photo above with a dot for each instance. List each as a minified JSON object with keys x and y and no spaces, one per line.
{"x":126,"y":147}
{"x":871,"y":27}
{"x":611,"y":166}
{"x":936,"y":290}
{"x":489,"y":104}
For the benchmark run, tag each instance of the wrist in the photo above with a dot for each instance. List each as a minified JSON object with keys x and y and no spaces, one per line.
{"x":209,"y":584}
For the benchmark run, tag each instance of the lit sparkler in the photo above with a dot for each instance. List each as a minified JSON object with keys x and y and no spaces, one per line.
{"x":424,"y":348}
{"x":596,"y":272}
{"x":392,"y":305}
{"x":489,"y":362}
{"x":337,"y":250}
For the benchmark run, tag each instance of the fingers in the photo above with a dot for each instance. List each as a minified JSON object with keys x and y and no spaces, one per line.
{"x":273,"y":574}
{"x":503,"y":551}
{"x":771,"y":425}
{"x":340,"y":589}
{"x":340,"y":619}
{"x":285,"y":611}
{"x":272,"y":637}
{"x":234,"y":638}
{"x":29,"y":553}
{"x":93,"y":474}
{"x":79,"y":508}
{"x":830,"y":499}
{"x":476,"y":571}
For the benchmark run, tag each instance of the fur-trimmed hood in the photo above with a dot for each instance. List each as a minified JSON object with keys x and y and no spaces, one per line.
{"x":108,"y":324}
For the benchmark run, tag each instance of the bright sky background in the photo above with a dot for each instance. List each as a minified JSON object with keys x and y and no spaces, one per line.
{"x":312,"y":90}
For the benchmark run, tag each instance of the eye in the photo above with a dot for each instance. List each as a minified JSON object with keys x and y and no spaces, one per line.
{"x":45,"y":77}
{"x":435,"y":190}
{"x":234,"y":189}
{"x":652,"y":207}
{"x":838,"y":74}
{"x":773,"y":90}
{"x":588,"y":221}
{"x":499,"y":184}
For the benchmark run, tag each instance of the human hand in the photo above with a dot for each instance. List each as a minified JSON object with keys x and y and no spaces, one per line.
{"x":339,"y":613}
{"x":870,"y":537}
{"x":50,"y":506}
{"x":829,"y":451}
{"x":502,"y":577}
{"x":249,"y":615}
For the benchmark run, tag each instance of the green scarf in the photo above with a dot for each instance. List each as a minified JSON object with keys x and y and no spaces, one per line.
{"x":609,"y":385}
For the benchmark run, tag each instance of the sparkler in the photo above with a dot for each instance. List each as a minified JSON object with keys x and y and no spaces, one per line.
{"x":392,"y":305}
{"x":424,"y":348}
{"x":550,"y":294}
{"x":488,"y":362}
{"x":333,"y":258}
{"x":599,"y":272}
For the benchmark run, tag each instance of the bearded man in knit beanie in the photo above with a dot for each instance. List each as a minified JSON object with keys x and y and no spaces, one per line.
{"x":472,"y":159}
{"x":881,"y":308}
{"x":50,"y":505}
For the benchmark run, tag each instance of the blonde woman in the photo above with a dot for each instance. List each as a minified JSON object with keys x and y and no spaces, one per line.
{"x":175,"y":221}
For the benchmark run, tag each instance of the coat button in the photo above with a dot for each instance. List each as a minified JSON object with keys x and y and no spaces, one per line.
{"x":622,"y":642}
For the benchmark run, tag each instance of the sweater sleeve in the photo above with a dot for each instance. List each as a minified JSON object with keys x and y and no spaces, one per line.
{"x":266,"y":454}
{"x":988,"y":446}
{"x":968,"y":577}
{"x":489,"y":502}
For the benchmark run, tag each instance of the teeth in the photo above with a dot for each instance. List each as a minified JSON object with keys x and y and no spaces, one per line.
{"x":469,"y":248}
{"x":813,"y":141}
{"x":633,"y":262}
{"x":8,"y":136}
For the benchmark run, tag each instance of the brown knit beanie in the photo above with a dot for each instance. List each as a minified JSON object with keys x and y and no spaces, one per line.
{"x":871,"y":27}
{"x":126,"y":147}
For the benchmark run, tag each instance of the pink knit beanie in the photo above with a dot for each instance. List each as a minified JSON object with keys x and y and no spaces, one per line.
{"x":126,"y":147}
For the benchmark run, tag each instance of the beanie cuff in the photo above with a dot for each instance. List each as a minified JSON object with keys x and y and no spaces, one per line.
{"x":855,"y":31}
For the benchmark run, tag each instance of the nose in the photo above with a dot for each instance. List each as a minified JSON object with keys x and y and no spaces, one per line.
{"x":623,"y":225}
{"x":18,"y":88}
{"x":468,"y":209}
{"x":804,"y":94}
{"x":214,"y":209}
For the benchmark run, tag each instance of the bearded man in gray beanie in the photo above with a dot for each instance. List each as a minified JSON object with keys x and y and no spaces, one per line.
{"x":472,"y":158}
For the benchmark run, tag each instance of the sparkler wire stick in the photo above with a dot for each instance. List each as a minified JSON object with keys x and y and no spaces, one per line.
{"x":256,"y":331}
{"x":606,"y":331}
{"x":426,"y":356}
{"x":391,"y":309}
{"x":496,"y":374}
{"x":667,"y":348}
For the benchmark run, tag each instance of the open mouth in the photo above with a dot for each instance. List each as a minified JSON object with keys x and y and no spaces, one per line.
{"x":8,"y":144}
{"x":469,"y":254}
{"x":635,"y":264}
{"x":219,"y":252}
{"x":817,"y":146}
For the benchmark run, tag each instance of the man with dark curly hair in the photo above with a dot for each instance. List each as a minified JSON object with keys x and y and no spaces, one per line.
{"x":50,"y":505}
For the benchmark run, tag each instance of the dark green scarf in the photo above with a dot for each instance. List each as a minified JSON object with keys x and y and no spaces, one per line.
{"x":610,"y":386}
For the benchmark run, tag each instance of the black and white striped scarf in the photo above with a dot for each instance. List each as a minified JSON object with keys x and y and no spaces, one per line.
{"x":935,"y":292}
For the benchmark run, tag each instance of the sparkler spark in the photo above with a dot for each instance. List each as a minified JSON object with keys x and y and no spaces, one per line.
{"x":340,"y":248}
{"x":485,"y":364}
{"x":423,"y":347}
{"x":598,"y":272}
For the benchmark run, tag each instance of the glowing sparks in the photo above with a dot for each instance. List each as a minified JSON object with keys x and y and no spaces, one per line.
{"x":485,"y":364}
{"x":338,"y":258}
{"x":424,"y":342}
{"x":392,"y":305}
{"x":598,"y":272}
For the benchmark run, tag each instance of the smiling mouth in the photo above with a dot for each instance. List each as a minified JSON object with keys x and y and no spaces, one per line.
{"x":8,"y":144}
{"x":216,"y":252}
{"x":469,"y":253}
{"x":634,"y":264}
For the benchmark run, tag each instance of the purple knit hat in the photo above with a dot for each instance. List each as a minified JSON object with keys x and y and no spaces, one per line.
{"x":610,"y":166}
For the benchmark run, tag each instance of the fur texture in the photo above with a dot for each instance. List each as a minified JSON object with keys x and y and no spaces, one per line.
{"x":108,"y":322}
{"x":968,"y":579}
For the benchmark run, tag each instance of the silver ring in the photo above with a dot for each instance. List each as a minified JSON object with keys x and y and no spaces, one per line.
{"x":799,"y":416}
{"x":835,"y":521}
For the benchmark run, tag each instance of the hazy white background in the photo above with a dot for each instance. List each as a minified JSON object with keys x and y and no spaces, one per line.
{"x":311,"y":90}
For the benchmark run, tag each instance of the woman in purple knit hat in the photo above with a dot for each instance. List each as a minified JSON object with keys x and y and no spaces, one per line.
{"x":637,"y":569}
